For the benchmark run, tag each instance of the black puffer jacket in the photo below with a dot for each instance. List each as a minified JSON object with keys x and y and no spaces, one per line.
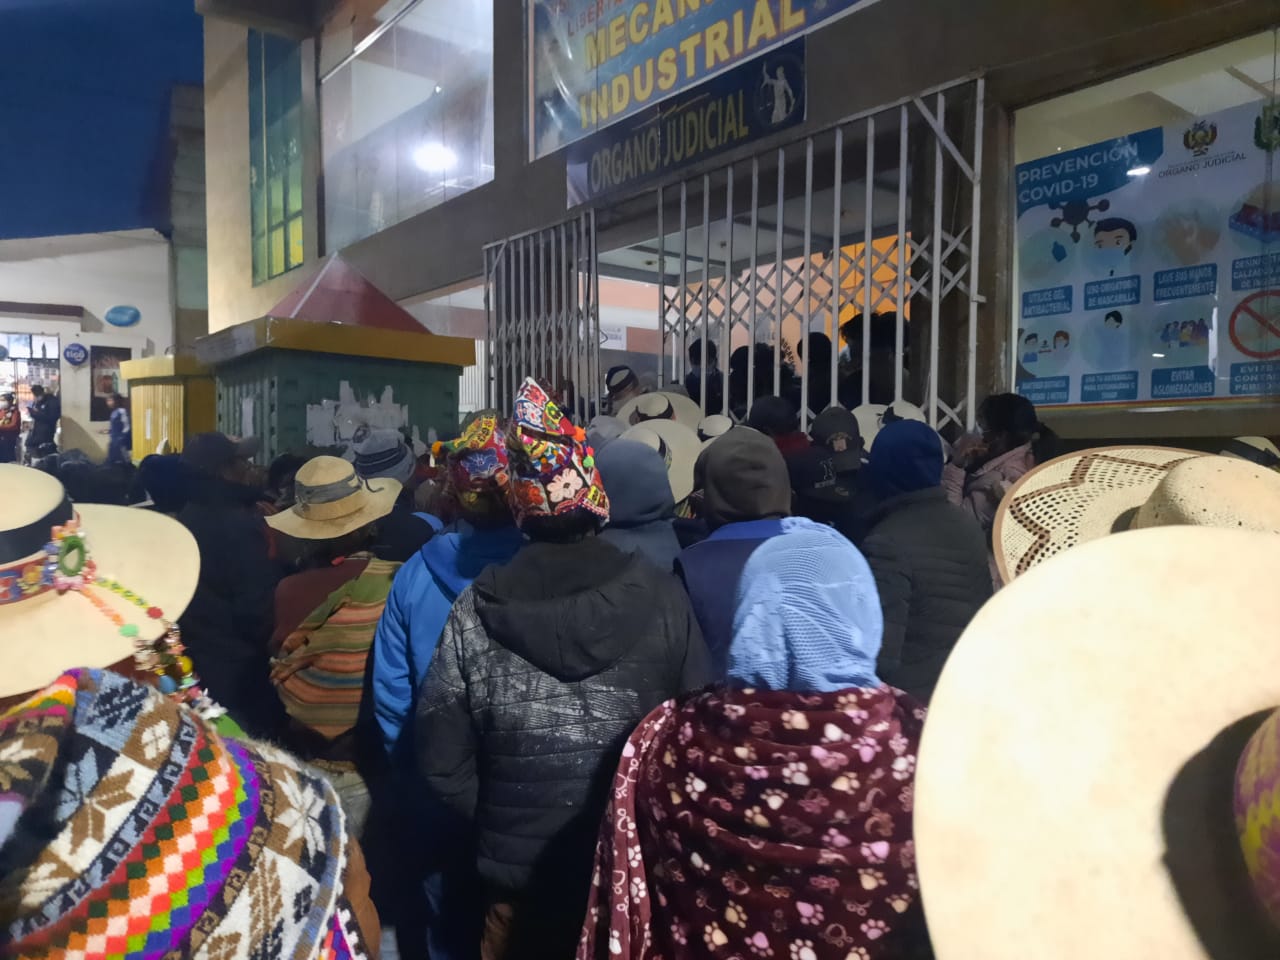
{"x":929,"y":558}
{"x":544,"y":668}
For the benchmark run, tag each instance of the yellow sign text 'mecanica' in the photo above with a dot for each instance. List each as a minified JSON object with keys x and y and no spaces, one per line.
{"x":696,"y":55}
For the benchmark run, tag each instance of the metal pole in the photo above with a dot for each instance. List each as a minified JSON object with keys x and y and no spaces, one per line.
{"x":662,"y":284}
{"x":543,"y":327}
{"x":576,"y":303}
{"x":677,"y":361}
{"x":778,"y":274}
{"x":755,"y":279}
{"x":837,"y":264}
{"x":488,"y":327}
{"x":706,"y":281}
{"x":553,"y":317}
{"x":513,"y":325}
{"x":808,"y":284}
{"x":899,"y":343}
{"x":565,"y":318}
{"x":594,"y":393}
{"x":935,"y":294}
{"x":726,"y":321}
{"x":869,"y":261}
{"x":971,"y":400}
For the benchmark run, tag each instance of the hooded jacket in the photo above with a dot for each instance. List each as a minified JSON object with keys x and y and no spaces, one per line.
{"x":641,"y":505}
{"x":747,"y":493}
{"x":416,"y":611}
{"x":929,"y":558}
{"x":545,"y":667}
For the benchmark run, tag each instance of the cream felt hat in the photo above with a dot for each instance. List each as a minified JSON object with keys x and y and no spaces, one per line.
{"x":872,"y":418}
{"x":660,"y":406}
{"x":42,"y":631}
{"x":1087,"y":495}
{"x":1075,"y":783}
{"x":679,"y":447}
{"x":333,"y":500}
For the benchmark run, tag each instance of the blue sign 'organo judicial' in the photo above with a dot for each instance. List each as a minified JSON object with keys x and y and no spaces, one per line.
{"x":123,"y":316}
{"x":746,"y":103}
{"x":75,"y":354}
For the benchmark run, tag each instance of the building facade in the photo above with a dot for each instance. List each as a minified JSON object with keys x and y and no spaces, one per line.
{"x":917,"y":136}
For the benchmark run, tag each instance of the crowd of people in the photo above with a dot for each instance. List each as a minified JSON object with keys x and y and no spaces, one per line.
{"x":648,"y":686}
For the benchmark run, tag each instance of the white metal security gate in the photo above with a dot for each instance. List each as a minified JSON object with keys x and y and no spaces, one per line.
{"x":876,"y":218}
{"x":542,"y":310}
{"x":871,"y":224}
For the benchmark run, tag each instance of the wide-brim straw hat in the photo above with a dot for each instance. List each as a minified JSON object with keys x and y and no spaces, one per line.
{"x":679,"y":447}
{"x":661,"y":405}
{"x":872,"y":418}
{"x":1087,"y":495}
{"x":148,"y":554}
{"x":1260,"y":450}
{"x":1074,"y":789}
{"x":332,"y":501}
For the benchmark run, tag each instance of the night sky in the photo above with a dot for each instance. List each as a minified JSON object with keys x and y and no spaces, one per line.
{"x":83,"y":108}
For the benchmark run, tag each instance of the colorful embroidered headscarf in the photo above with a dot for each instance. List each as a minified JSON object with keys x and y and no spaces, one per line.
{"x":129,"y":827}
{"x":553,"y":471}
{"x":762,"y":825}
{"x":476,"y":464}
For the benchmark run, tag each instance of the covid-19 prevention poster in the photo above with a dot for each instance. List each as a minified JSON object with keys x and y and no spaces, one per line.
{"x":1149,"y":266}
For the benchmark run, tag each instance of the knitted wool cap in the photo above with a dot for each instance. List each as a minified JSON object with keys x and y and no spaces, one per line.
{"x":807,"y":614}
{"x":553,"y":471}
{"x":477,"y":463}
{"x":128,"y":827}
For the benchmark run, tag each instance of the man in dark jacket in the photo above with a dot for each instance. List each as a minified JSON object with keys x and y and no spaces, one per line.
{"x":929,"y":558}
{"x":227,"y":626}
{"x":545,"y":666}
{"x":641,"y":506}
{"x":746,"y":495}
{"x":46,"y":411}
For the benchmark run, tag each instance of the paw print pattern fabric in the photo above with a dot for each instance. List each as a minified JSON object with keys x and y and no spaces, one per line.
{"x":762,"y":825}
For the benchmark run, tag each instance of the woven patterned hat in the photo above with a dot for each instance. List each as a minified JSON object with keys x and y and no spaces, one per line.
{"x":1258,"y":813}
{"x":553,"y":471}
{"x":128,"y":827}
{"x":476,"y":463}
{"x":1084,"y":496}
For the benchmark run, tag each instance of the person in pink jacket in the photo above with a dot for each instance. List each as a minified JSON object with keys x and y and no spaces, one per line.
{"x":983,"y":468}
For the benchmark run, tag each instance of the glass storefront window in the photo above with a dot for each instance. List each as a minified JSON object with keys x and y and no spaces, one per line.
{"x":1148,"y":236}
{"x":28,"y":359}
{"x":275,"y":155}
{"x":406,"y":112}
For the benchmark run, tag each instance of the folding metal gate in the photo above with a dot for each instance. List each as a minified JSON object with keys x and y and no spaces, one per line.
{"x":874,"y":219}
{"x":878,"y":215}
{"x":542,"y":310}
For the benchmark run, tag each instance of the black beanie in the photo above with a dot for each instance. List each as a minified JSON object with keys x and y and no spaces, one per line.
{"x":743,"y":477}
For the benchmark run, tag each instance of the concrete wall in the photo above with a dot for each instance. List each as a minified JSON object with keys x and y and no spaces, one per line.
{"x":232,"y":296}
{"x":891,"y":49}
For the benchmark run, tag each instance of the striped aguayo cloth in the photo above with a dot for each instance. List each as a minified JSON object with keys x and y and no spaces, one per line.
{"x":320,"y":669}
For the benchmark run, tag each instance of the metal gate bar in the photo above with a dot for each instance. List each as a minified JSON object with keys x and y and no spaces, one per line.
{"x":542,"y":314}
{"x":927,"y":255}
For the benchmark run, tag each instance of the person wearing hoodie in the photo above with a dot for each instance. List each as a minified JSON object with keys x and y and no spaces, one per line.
{"x":641,"y":505}
{"x":544,"y":667}
{"x":929,"y":558}
{"x":746,"y":494}
{"x":227,"y":626}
